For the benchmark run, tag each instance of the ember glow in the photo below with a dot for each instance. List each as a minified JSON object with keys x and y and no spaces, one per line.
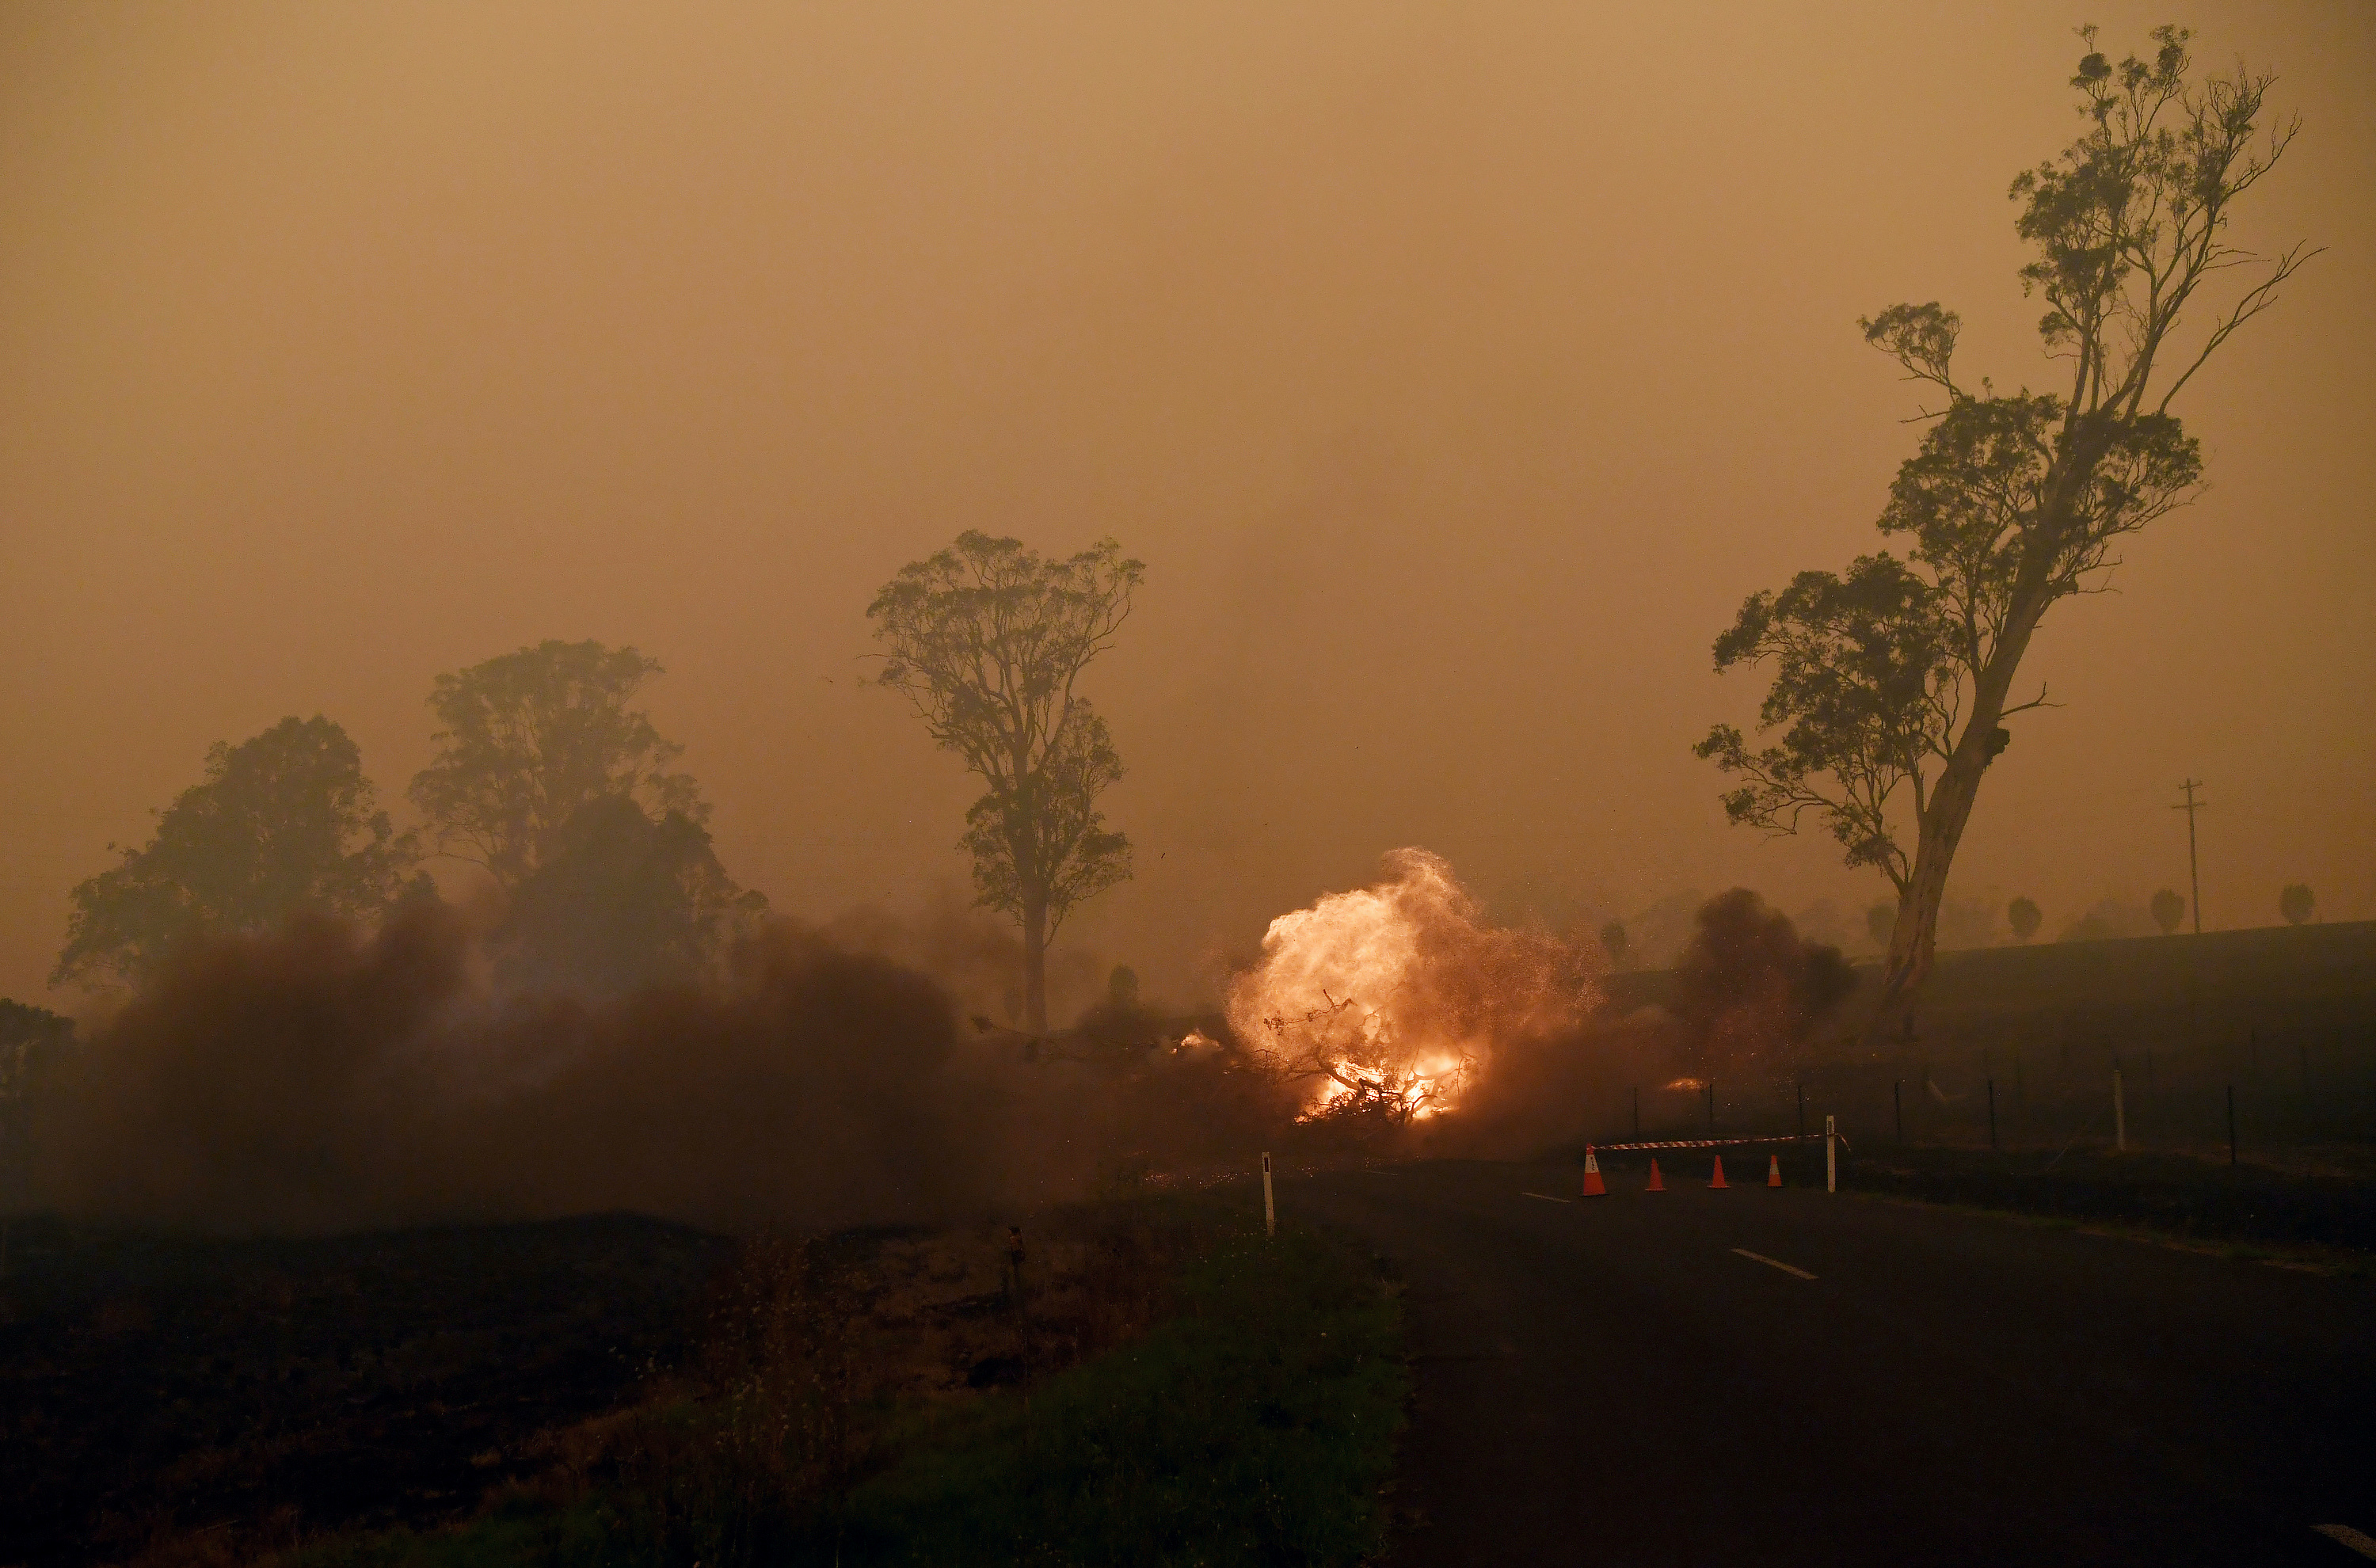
{"x":1391,"y":999}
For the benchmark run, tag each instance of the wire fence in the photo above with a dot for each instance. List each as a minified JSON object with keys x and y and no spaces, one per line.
{"x":2265,"y":1090}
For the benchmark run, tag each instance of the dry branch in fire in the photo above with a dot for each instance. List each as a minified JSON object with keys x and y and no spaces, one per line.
{"x":1355,"y":1050}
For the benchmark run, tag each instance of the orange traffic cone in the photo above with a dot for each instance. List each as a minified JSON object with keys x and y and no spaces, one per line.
{"x":1719,"y":1181}
{"x":1655,"y":1185}
{"x":1774,"y":1170}
{"x":1592,"y":1187}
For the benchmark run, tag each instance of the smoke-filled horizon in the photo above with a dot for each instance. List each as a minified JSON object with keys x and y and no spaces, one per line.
{"x":328,"y":1076}
{"x":1456,"y":372}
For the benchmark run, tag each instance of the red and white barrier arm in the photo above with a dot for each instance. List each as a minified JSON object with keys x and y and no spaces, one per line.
{"x":1723,"y":1143}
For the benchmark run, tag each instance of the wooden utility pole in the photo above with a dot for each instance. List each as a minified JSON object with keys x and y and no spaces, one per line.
{"x":2193,"y":870}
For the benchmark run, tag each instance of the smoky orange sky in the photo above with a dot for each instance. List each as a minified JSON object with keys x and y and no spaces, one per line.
{"x":1456,"y":369}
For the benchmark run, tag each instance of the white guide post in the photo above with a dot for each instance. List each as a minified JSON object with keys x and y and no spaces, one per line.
{"x":1831,"y":1155}
{"x":1270,"y":1215}
{"x":2120,"y":1116}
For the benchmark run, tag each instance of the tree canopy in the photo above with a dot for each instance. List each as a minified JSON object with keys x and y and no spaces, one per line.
{"x":2297,"y":903}
{"x":527,"y":739}
{"x":2168,"y":910}
{"x":621,"y":900}
{"x":33,"y":1042}
{"x":2024,"y":917}
{"x":1890,"y":684}
{"x":987,"y":641}
{"x":283,"y":821}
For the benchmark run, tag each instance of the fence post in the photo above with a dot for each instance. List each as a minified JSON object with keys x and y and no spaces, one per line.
{"x":2119,"y":1117}
{"x":1270,"y":1215}
{"x":1831,"y":1156}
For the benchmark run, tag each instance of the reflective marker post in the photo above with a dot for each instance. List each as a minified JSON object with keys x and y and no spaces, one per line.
{"x":1831,"y":1156}
{"x":1270,"y":1215}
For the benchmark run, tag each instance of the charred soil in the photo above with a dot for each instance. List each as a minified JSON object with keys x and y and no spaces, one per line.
{"x":1145,"y":1370}
{"x":158,"y":1388}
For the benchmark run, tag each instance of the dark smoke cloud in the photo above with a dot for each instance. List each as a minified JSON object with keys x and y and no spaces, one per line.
{"x":1748,"y":988}
{"x":319,"y":1079}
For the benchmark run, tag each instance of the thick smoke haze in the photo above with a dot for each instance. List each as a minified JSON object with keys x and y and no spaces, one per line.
{"x":1456,"y":369}
{"x":321,"y":1078}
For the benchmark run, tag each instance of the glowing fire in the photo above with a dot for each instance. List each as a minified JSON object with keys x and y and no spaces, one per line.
{"x":1389,"y":998}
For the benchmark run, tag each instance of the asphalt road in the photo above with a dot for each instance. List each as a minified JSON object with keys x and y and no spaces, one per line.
{"x":1612,"y":1381}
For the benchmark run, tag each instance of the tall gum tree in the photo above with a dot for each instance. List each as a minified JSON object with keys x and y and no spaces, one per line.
{"x":528,"y":739}
{"x":987,"y":641}
{"x":1892,"y":682}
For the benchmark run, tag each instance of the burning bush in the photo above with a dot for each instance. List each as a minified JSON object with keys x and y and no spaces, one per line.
{"x":1386,"y":1002}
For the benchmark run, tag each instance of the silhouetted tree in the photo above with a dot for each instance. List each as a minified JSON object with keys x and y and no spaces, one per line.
{"x":283,"y":821}
{"x":1891,"y":685}
{"x":1877,"y":921}
{"x":2024,"y":915}
{"x":1612,"y":942}
{"x":1122,"y":987}
{"x":527,"y":739}
{"x":987,"y":641}
{"x":2296,"y":903}
{"x":621,"y":900}
{"x":33,"y":1041}
{"x":2169,"y":911}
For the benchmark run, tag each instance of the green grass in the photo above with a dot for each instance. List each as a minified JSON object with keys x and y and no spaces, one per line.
{"x":1255,"y":1424}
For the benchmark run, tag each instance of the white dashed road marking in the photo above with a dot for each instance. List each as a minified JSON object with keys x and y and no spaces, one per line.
{"x":1546,"y":1197}
{"x":2344,"y":1535}
{"x":1770,"y":1263}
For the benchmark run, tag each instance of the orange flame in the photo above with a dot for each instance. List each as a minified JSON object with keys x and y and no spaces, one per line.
{"x":1392,"y":997}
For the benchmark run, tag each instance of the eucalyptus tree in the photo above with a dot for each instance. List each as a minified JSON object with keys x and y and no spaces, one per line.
{"x":987,"y":641}
{"x":1892,"y":682}
{"x":283,"y":821}
{"x":528,"y":739}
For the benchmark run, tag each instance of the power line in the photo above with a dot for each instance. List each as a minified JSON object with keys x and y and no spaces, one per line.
{"x":2193,"y":870}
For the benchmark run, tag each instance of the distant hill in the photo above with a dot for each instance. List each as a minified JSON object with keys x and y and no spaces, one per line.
{"x":2321,"y":969}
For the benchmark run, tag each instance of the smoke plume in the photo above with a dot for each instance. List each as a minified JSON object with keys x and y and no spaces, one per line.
{"x":1749,"y":987}
{"x":320,"y":1079}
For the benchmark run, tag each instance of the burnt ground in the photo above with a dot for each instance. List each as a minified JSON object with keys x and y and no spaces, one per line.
{"x":174,"y":1401}
{"x":151,"y":1385}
